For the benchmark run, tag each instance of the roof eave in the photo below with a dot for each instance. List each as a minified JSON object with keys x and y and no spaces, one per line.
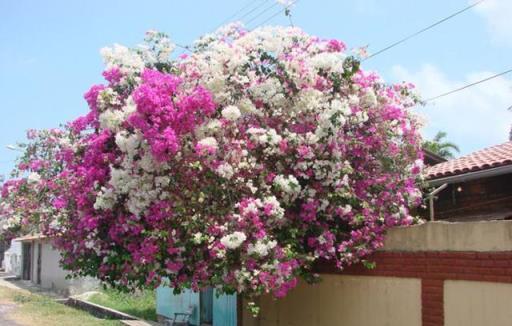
{"x":433,"y":156}
{"x":30,"y":238}
{"x":492,"y":172}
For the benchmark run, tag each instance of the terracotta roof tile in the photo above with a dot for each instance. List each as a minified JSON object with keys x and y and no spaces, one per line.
{"x":486,"y":158}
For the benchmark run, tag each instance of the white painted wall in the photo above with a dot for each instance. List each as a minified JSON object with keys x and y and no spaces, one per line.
{"x":53,"y":276}
{"x":12,"y":259}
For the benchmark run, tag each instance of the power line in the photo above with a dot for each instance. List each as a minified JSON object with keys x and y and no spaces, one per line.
{"x":186,"y":48}
{"x":424,"y":29}
{"x":277,"y":13}
{"x":254,"y":9}
{"x":248,"y":5}
{"x":183,"y":47}
{"x":468,"y":86}
{"x":261,"y":13}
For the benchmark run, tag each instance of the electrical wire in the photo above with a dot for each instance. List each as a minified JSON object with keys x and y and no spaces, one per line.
{"x":405,"y":39}
{"x":250,"y":12}
{"x":248,"y":5}
{"x":468,"y":86}
{"x":277,"y":13}
{"x":186,"y":48}
{"x":261,"y":13}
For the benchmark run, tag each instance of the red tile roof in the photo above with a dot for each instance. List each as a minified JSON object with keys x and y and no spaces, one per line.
{"x":484,"y":159}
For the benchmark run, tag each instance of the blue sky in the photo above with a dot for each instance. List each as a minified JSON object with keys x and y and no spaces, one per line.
{"x":49,"y":54}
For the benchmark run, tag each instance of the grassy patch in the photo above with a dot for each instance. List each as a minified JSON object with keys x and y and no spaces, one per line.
{"x":33,"y":309}
{"x":140,"y":304}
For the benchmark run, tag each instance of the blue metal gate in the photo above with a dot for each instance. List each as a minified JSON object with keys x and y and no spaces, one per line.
{"x":224,"y":310}
{"x":206,"y":305}
{"x":167,"y":303}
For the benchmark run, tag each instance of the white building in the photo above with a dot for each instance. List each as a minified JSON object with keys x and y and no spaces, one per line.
{"x":12,"y":259}
{"x":40,"y":265}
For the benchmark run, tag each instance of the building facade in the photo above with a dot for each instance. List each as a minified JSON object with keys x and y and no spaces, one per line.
{"x":40,"y":265}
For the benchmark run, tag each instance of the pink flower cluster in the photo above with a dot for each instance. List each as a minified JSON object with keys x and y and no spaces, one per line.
{"x":162,"y":116}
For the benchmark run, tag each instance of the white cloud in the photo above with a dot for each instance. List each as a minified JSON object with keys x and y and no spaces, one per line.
{"x":473,"y":118}
{"x":497,"y":16}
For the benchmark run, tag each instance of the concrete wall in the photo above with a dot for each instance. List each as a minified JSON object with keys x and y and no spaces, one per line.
{"x":435,"y":274}
{"x":477,"y":303}
{"x":53,"y":276}
{"x":3,"y":248}
{"x":344,"y":300}
{"x":445,"y":236}
{"x":12,"y":259}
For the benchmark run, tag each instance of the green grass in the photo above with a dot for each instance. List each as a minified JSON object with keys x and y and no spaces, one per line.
{"x":140,"y":304}
{"x":33,"y":309}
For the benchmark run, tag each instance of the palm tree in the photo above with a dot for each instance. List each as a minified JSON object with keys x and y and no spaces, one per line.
{"x":441,"y":147}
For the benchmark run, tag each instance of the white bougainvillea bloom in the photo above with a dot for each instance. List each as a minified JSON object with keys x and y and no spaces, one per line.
{"x":231,"y":112}
{"x":233,"y":240}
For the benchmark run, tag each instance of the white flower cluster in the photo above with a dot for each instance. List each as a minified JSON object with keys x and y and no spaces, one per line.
{"x":369,"y":99}
{"x":128,"y":143}
{"x":328,"y":61}
{"x":107,"y":98}
{"x":261,"y":247}
{"x":165,"y":47}
{"x":225,"y":170}
{"x":277,"y":210}
{"x":268,"y":138}
{"x":122,"y":57}
{"x":209,"y":142}
{"x":332,"y":119}
{"x":288,"y":185}
{"x":112,"y":119}
{"x":233,"y":240}
{"x":33,"y":177}
{"x":143,"y":187}
{"x":105,"y":199}
{"x":231,"y":112}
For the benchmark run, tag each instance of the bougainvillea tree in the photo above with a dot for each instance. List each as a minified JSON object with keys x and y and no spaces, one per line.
{"x":29,"y":199}
{"x":238,"y":165}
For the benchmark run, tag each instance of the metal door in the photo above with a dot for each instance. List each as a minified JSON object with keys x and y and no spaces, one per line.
{"x":206,"y":306}
{"x":224,"y":310}
{"x":39,"y":250}
{"x":26,"y":251}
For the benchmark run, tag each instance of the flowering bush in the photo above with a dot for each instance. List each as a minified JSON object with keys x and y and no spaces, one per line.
{"x":236,"y":166}
{"x":29,"y":200}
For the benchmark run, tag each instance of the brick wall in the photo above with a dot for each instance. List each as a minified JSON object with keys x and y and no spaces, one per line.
{"x":433,"y":268}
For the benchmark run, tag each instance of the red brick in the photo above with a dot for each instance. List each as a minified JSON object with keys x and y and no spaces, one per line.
{"x":438,"y":266}
{"x":483,"y":255}
{"x":489,"y":278}
{"x":432,"y":302}
{"x":463,"y":262}
{"x":501,"y":263}
{"x":472,"y":277}
{"x":506,"y":255}
{"x":431,"y":319}
{"x":466,"y":255}
{"x":449,"y":254}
